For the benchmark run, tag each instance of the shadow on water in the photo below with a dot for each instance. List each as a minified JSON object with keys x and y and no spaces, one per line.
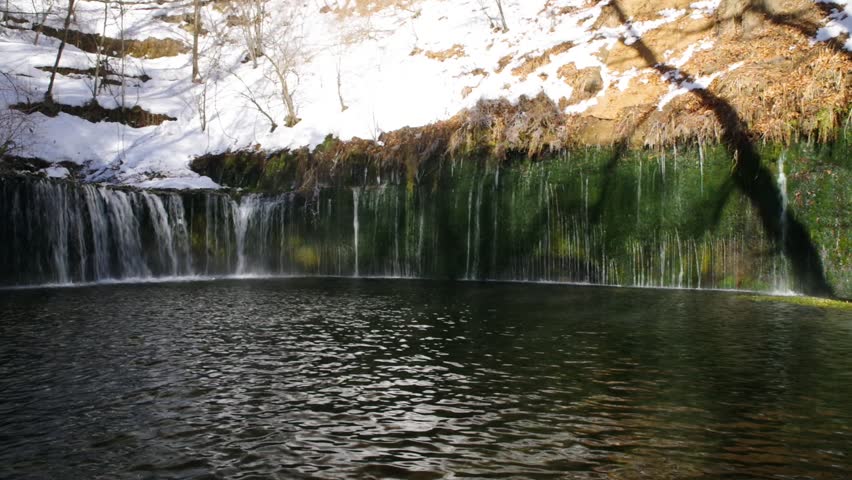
{"x":748,"y":175}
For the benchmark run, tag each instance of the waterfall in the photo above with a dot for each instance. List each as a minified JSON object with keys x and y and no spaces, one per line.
{"x":62,"y":233}
{"x":356,"y":192}
{"x":541,"y":221}
{"x":467,"y":243}
{"x":476,"y":230}
{"x":244,"y":212}
{"x":639,"y":193}
{"x":163,"y":231}
{"x":781,"y":283}
{"x":782,"y":189}
{"x":701,"y":166}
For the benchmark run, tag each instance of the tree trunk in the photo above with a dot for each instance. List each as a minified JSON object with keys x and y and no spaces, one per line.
{"x":48,"y":96}
{"x":291,"y":119}
{"x":343,"y":106}
{"x":98,"y":72}
{"x":196,"y":26}
{"x":123,"y":57}
{"x":502,"y":17}
{"x":286,"y":95}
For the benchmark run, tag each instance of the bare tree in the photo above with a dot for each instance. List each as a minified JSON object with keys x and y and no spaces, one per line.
{"x":491,"y":21}
{"x":201,"y":104}
{"x":285,"y":50}
{"x":484,"y":9}
{"x":196,"y":28}
{"x":99,"y":55}
{"x":343,"y":106}
{"x":15,"y":125}
{"x":122,"y":54}
{"x":252,"y":96}
{"x":48,"y":95}
{"x":283,"y":63}
{"x":502,"y":17}
{"x":278,"y":38}
{"x":216,"y":39}
{"x":250,"y":16}
{"x":45,"y":12}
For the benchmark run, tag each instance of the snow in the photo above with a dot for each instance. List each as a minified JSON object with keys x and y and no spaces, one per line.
{"x":624,"y":80}
{"x":839,"y":23}
{"x":179,"y":183}
{"x":379,"y":64}
{"x":56,"y":172}
{"x":704,"y":8}
{"x":683,"y":85}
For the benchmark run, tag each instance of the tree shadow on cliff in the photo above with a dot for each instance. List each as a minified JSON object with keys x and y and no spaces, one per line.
{"x":798,"y":20}
{"x":748,"y":174}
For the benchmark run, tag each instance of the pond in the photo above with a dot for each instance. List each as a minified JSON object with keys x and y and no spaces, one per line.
{"x":339,"y":378}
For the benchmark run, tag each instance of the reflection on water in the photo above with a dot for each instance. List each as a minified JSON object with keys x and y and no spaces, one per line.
{"x":331,"y":378}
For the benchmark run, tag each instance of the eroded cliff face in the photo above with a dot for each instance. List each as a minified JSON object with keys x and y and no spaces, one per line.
{"x":631,"y":76}
{"x":430,"y":75}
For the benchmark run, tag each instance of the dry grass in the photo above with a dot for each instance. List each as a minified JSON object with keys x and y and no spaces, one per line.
{"x":503,"y":63}
{"x":498,"y":128}
{"x":786,"y":88}
{"x":532,"y":62}
{"x":456,"y":51}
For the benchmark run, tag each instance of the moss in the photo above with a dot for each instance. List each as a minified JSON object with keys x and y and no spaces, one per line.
{"x":826,"y":124}
{"x":823,"y":303}
{"x":639,"y":204}
{"x":307,"y":257}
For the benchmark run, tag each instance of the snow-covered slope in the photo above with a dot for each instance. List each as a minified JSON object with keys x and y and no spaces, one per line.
{"x":353,"y":70}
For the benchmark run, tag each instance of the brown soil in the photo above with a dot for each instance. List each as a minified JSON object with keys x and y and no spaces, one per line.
{"x":533,"y":62}
{"x":586,"y":82}
{"x":503,"y":63}
{"x":89,"y":42}
{"x":135,"y":117}
{"x":103,"y":74}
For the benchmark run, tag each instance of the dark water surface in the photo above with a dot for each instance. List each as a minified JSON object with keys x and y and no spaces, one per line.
{"x":331,"y":378}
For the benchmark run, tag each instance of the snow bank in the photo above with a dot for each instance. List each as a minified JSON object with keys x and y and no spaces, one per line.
{"x":839,"y":23}
{"x":395,"y":68}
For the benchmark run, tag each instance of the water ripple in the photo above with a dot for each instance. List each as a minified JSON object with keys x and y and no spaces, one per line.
{"x":324,"y":378}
